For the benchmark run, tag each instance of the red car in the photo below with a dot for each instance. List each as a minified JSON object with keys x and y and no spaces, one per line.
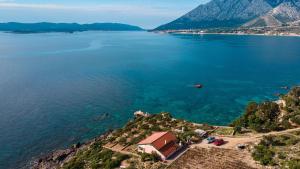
{"x":219,"y":142}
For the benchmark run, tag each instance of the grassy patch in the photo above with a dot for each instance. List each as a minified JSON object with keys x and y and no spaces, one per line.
{"x":224,"y":131}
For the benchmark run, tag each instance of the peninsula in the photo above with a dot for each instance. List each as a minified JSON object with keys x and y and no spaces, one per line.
{"x":267,"y":135}
{"x":44,"y":27}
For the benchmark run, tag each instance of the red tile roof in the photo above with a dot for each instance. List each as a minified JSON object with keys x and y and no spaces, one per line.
{"x":169,"y":149}
{"x":164,"y":142}
{"x":152,"y":138}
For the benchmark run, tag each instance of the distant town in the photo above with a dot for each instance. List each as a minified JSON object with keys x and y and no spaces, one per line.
{"x":272,"y":31}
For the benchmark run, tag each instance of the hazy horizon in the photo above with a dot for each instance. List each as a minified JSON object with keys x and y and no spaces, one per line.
{"x":144,"y":13}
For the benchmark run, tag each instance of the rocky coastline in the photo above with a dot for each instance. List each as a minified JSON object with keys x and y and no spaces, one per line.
{"x":58,"y":158}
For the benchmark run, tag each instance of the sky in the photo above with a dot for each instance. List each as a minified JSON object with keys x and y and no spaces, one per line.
{"x":144,"y":13}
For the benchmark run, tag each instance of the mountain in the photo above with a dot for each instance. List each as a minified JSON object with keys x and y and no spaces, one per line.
{"x":236,"y":13}
{"x":284,"y":13}
{"x":64,"y":27}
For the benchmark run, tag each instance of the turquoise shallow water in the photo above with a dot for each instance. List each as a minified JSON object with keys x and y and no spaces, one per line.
{"x":56,"y":88}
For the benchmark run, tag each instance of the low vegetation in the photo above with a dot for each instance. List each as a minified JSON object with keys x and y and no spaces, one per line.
{"x":292,"y":107}
{"x":281,"y":150}
{"x":141,"y":127}
{"x":224,"y":131}
{"x":96,"y":157}
{"x":270,"y":116}
{"x":260,"y":117}
{"x":150,"y":157}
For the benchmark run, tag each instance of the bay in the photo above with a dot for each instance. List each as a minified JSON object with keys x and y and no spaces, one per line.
{"x":57,"y":88}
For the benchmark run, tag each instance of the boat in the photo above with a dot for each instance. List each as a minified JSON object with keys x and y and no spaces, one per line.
{"x":198,"y":86}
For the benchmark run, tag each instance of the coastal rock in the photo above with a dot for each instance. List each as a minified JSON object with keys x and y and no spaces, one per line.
{"x":54,"y":160}
{"x":77,"y":145}
{"x":60,"y":155}
{"x":58,"y":158}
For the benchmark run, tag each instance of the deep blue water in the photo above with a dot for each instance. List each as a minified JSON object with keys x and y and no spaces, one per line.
{"x":55,"y":88}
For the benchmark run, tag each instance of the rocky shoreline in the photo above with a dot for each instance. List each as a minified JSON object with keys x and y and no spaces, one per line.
{"x":58,"y":158}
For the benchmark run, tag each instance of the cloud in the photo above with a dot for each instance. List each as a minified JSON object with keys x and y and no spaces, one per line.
{"x":148,"y":14}
{"x":123,"y":8}
{"x":2,"y":1}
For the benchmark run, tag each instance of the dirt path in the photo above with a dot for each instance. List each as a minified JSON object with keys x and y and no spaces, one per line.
{"x":232,"y":141}
{"x":279,"y":132}
{"x":120,"y":151}
{"x":227,"y":156}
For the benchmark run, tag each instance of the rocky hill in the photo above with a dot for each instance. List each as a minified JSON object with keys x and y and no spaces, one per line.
{"x":284,"y":13}
{"x":237,"y":13}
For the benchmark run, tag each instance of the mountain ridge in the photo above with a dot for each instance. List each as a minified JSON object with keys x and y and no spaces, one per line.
{"x":237,"y":13}
{"x":284,"y":13}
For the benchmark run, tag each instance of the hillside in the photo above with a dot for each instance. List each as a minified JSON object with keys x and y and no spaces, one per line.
{"x":272,"y":116}
{"x":268,"y":131}
{"x":64,"y":27}
{"x":237,"y":13}
{"x":110,"y":149}
{"x":283,"y":14}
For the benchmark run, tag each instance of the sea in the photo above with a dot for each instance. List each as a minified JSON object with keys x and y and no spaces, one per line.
{"x":57,"y":89}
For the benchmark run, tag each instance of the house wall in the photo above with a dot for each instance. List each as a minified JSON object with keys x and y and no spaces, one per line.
{"x":149,"y":149}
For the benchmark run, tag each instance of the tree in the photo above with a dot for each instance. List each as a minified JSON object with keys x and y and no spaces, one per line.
{"x":237,"y":129}
{"x":259,"y":117}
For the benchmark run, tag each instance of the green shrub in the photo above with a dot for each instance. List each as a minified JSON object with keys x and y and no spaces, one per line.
{"x":293,"y":164}
{"x":155,"y":128}
{"x":281,"y":155}
{"x":145,"y":126}
{"x":150,"y":157}
{"x":286,"y":124}
{"x":292,"y":141}
{"x":263,"y":154}
{"x":122,"y":140}
{"x":296,"y":119}
{"x":135,"y":140}
{"x":75,"y":164}
{"x":96,"y":157}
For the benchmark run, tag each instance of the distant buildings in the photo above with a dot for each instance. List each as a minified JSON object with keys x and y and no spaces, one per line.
{"x":163,"y":144}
